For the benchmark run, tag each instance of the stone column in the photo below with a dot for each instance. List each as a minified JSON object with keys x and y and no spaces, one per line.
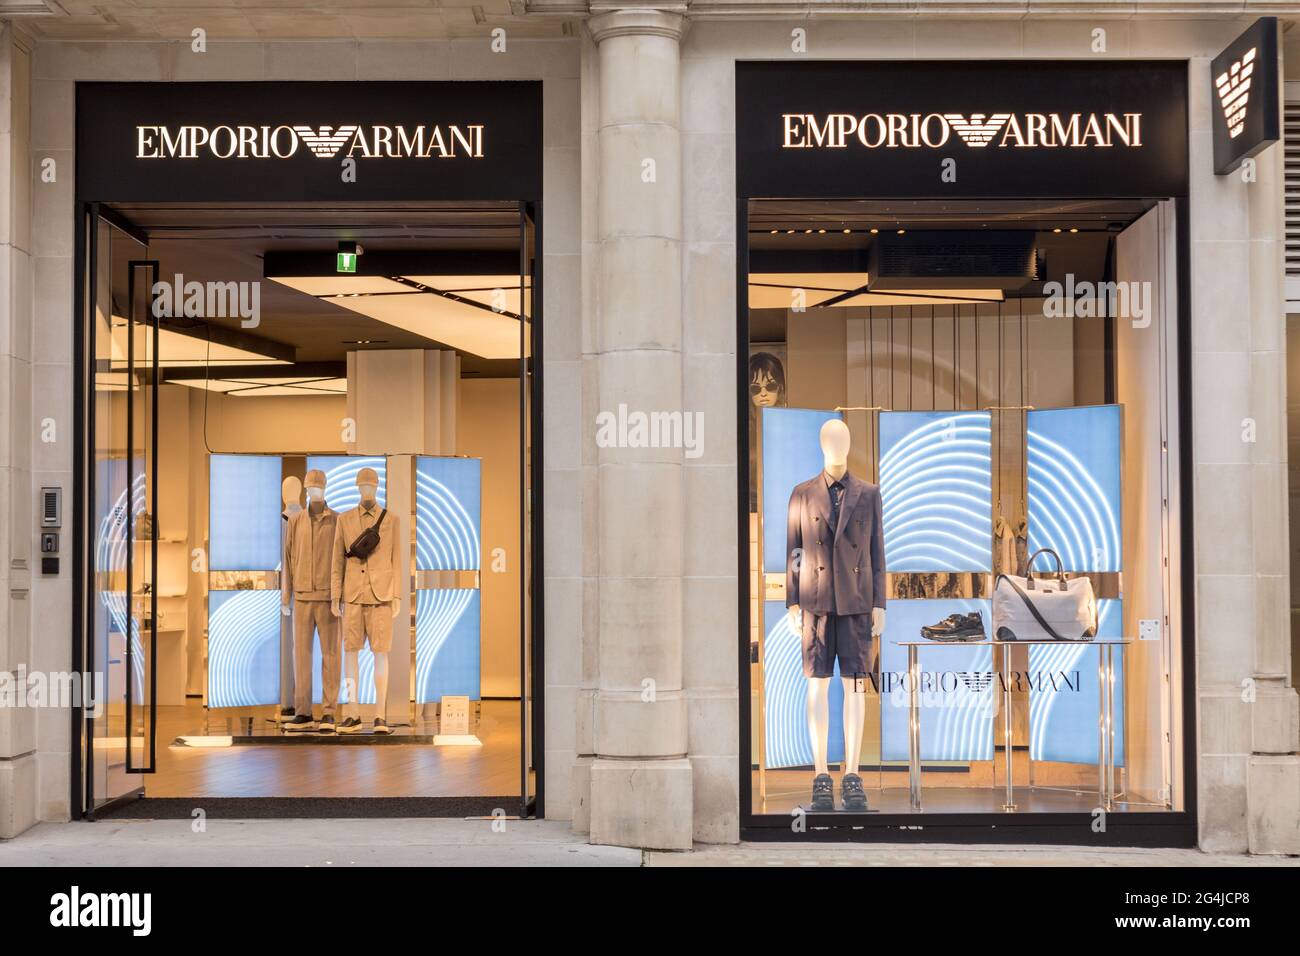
{"x":641,"y":791}
{"x":18,"y":760}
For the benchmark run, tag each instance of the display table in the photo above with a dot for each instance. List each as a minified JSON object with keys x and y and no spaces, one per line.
{"x":1105,"y":723}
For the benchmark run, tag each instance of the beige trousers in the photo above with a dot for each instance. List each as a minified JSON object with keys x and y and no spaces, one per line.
{"x":310,"y":617}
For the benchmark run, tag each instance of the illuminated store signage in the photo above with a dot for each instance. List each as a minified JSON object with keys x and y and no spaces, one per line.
{"x":961,"y":129}
{"x":323,"y":142}
{"x":288,"y":142}
{"x":1244,"y":78}
{"x":977,"y":130}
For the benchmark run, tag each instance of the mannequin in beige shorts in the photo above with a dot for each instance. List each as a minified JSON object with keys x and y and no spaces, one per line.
{"x":364,"y":592}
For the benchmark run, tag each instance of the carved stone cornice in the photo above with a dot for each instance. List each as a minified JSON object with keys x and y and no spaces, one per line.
{"x":922,"y":9}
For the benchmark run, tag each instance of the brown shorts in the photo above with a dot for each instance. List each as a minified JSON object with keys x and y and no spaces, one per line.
{"x":373,"y":621}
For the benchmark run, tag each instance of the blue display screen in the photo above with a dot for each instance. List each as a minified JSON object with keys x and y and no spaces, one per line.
{"x":448,"y":510}
{"x":244,"y":512}
{"x":341,"y":478}
{"x":447,"y":623}
{"x":791,"y":454}
{"x":243,"y":648}
{"x":1074,"y":486}
{"x":936,"y":480}
{"x":959,"y":692}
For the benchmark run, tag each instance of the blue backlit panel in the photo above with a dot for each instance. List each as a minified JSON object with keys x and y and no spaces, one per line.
{"x":936,"y":480}
{"x":785,"y":691}
{"x":959,"y":693}
{"x":243,"y":648}
{"x":791,"y":454}
{"x":1064,"y":701}
{"x":341,"y":478}
{"x":448,"y":508}
{"x":244,"y":512}
{"x":447,"y":623}
{"x":1074,"y":486}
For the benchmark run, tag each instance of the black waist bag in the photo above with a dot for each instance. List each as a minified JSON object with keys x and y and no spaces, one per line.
{"x":366,"y":542}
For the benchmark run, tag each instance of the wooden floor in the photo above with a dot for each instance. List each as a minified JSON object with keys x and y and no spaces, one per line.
{"x":330,"y":770}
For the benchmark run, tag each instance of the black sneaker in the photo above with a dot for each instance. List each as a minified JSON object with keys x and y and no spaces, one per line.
{"x":823,"y":794}
{"x":851,"y":793}
{"x":326,"y":725}
{"x":283,"y":716}
{"x":350,"y":725}
{"x":301,"y":723}
{"x":956,"y":627}
{"x":381,"y":726}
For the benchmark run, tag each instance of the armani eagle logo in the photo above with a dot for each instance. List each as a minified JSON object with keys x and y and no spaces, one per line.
{"x":979,"y":129}
{"x":1234,"y":91}
{"x":976,"y":681}
{"x":326,"y":141}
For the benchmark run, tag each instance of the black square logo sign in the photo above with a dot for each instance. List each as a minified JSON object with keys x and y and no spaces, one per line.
{"x":1244,"y":80}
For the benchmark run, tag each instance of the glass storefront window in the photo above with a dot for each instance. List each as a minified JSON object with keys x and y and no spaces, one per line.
{"x":964,"y":538}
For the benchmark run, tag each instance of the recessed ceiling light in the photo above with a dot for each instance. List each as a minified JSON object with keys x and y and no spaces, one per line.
{"x":901,"y":231}
{"x":821,"y":232}
{"x":789,"y":232}
{"x":775,"y":231}
{"x":1057,"y":229}
{"x":874,"y":231}
{"x":1074,"y":228}
{"x":847,"y":231}
{"x":807,"y":232}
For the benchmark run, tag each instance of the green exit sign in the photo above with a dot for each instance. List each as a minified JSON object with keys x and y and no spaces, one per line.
{"x":347,"y":262}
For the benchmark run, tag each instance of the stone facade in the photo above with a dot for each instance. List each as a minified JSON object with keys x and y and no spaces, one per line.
{"x":641,"y":584}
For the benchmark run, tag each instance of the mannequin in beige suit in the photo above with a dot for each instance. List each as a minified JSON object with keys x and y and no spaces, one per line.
{"x":365,"y":593}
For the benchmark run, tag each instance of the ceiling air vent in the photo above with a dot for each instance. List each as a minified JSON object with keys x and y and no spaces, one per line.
{"x":954,"y":260}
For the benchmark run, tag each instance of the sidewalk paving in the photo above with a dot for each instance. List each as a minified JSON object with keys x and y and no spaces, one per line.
{"x":474,"y":842}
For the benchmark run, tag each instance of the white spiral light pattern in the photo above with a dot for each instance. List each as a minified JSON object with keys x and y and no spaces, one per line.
{"x":957,"y":720}
{"x":243,"y":648}
{"x":1069,"y":511}
{"x":936,"y":489}
{"x":1053,"y":733}
{"x":447,"y":538}
{"x":786,"y":694}
{"x":110,"y":558}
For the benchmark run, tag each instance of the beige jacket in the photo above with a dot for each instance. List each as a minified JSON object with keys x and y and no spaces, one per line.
{"x":308,"y":556}
{"x":375,"y":580}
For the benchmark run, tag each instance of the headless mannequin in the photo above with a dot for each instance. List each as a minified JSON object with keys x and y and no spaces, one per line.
{"x":352,"y":659}
{"x":291,"y":496}
{"x":835,"y":455}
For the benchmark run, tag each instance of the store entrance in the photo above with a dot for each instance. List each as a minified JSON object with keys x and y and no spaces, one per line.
{"x":261,"y":385}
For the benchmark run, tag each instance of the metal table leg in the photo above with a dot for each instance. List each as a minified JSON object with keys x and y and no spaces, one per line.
{"x":914,"y":727}
{"x":1108,"y":698}
{"x":1102,"y":795}
{"x":1010,"y":803}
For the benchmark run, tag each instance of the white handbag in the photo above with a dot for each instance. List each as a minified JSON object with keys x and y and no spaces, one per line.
{"x":1043,"y":609}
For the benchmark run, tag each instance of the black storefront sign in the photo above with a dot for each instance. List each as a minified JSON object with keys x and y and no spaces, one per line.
{"x":934,"y":130}
{"x":288,"y":142}
{"x":1243,"y":89}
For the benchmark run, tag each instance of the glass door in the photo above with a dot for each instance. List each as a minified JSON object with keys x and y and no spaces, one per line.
{"x":123,"y":341}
